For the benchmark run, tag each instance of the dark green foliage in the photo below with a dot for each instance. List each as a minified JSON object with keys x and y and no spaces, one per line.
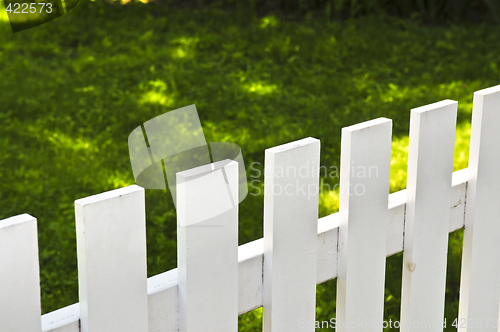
{"x":435,"y":11}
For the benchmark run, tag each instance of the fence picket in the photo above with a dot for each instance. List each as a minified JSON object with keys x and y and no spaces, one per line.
{"x":291,"y":186}
{"x":430,"y":169}
{"x":480,"y":286}
{"x":217,"y":280}
{"x":207,"y":246}
{"x":364,"y":189}
{"x":19,"y":275}
{"x":163,"y":288}
{"x":111,"y":245}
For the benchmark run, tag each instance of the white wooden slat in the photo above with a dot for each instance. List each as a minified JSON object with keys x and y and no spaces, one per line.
{"x":19,"y":275}
{"x":207,"y":246}
{"x":163,"y":288}
{"x":163,"y":302}
{"x":250,"y":261}
{"x":430,"y":169}
{"x":458,"y":197}
{"x":111,"y":246}
{"x":364,"y":188}
{"x":326,"y":264}
{"x":480,"y":280}
{"x":66,"y":319}
{"x":291,"y":187}
{"x":395,"y":226}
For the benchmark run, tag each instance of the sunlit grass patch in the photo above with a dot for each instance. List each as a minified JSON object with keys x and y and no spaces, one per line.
{"x":399,"y":158}
{"x":462,"y":140}
{"x":251,"y":321}
{"x":328,"y":200}
{"x":399,"y":163}
{"x":117,"y":180}
{"x":185,"y":48}
{"x":156,"y":93}
{"x":268,"y":21}
{"x":260,"y":88}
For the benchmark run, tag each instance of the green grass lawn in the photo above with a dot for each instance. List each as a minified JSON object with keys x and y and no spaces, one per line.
{"x":73,"y":89}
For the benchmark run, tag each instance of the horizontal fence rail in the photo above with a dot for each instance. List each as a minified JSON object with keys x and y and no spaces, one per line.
{"x":218,"y":280}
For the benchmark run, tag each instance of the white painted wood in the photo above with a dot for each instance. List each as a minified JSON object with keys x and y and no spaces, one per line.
{"x":458,"y":197}
{"x":66,"y":319}
{"x":250,"y":255}
{"x":163,"y":288}
{"x":364,"y":188}
{"x":326,"y":264}
{"x":291,"y":187}
{"x":163,"y":302}
{"x":207,"y":246}
{"x":430,"y":169}
{"x":395,"y":226}
{"x":250,"y":258}
{"x":19,"y":275}
{"x":480,"y":280}
{"x":111,"y":245}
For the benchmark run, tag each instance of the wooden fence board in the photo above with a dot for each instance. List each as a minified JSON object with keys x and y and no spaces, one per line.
{"x":207,"y":246}
{"x":364,"y":188}
{"x":430,"y":169}
{"x":19,"y":275}
{"x":111,"y":245}
{"x":480,"y":280}
{"x":291,"y":188}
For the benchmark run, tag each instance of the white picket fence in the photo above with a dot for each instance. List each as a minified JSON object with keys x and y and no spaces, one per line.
{"x":216,"y":280}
